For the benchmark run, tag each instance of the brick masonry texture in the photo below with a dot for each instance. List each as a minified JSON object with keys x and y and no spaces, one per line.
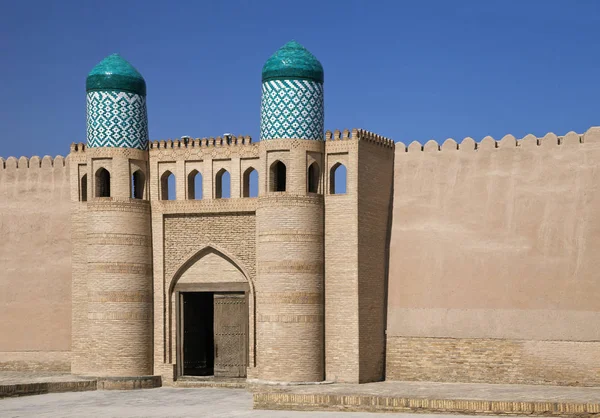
{"x":289,"y":331}
{"x":571,"y":363}
{"x":374,"y":403}
{"x":187,"y":234}
{"x":375,"y":180}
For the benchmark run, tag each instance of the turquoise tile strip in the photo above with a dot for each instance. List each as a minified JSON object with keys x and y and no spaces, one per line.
{"x":292,"y":109}
{"x":117,"y":119}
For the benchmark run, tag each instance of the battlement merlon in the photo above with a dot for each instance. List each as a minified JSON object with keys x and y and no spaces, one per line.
{"x":34,"y":162}
{"x":508,"y":141}
{"x":361,"y":135}
{"x":225,"y":141}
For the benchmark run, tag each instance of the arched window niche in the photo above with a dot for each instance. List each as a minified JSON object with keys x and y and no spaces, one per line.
{"x":338,"y":179}
{"x":222,"y":184}
{"x":167,"y":186}
{"x":102,"y":182}
{"x":138,"y":184}
{"x":250,"y":188}
{"x":313,"y":176}
{"x":194,"y":185}
{"x":83,"y":188}
{"x":277,"y":178}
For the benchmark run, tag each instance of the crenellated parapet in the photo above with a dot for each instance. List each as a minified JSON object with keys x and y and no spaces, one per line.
{"x":201,"y":148}
{"x":35,"y":162}
{"x":360,"y":135}
{"x":508,"y":141}
{"x":200,"y":142}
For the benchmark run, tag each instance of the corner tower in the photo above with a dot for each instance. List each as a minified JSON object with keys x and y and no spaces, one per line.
{"x":112,"y":279}
{"x":290,"y":220}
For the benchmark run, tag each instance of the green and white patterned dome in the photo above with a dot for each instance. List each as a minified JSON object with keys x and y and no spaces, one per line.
{"x":292,"y":105}
{"x":292,"y":61}
{"x":116,"y":105}
{"x":115,"y":73}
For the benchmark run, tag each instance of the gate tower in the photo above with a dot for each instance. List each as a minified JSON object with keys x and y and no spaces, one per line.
{"x":290,"y":220}
{"x":112,"y":284}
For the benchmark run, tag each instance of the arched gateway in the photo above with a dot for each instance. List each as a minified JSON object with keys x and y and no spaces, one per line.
{"x":209,"y":295}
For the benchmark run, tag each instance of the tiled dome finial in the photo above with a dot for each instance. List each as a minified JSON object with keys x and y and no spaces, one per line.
{"x":292,"y":61}
{"x":115,"y":73}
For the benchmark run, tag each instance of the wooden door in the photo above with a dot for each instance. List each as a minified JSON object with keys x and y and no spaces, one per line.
{"x":231,"y":334}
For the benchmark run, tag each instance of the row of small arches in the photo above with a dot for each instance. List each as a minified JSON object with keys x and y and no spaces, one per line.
{"x":102,"y":184}
{"x":277,"y":182}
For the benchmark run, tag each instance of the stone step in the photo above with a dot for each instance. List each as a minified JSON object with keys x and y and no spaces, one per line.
{"x":432,"y":397}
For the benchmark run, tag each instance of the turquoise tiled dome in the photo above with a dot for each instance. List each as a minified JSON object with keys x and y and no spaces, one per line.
{"x":292,"y":61}
{"x":115,"y":73}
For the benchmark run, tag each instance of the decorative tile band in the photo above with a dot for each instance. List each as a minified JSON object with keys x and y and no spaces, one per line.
{"x":292,"y":109}
{"x":116,"y":119}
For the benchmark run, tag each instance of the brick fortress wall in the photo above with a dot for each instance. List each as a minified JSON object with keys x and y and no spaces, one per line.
{"x":493,"y":265}
{"x":35,"y":264}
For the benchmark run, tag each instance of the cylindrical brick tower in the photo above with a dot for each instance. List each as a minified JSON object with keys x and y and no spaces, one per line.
{"x":118,"y":338}
{"x":290,"y":230}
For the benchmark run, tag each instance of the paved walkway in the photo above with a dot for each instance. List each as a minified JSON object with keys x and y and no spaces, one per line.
{"x":19,"y":378}
{"x":422,"y":397}
{"x":155,"y":403}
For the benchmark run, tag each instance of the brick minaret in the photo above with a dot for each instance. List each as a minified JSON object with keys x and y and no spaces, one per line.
{"x":290,"y":220}
{"x":112,"y":281}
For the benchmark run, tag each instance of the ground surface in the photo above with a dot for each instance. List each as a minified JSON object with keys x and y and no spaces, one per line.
{"x":470,"y":391}
{"x":162,"y":402}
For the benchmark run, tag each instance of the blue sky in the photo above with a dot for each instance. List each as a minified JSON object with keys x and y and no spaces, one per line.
{"x":409,"y":70}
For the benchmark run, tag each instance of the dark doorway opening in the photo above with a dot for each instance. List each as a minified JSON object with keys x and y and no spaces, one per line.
{"x":198,"y":334}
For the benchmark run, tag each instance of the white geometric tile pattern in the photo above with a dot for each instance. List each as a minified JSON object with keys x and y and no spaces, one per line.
{"x":116,"y":119}
{"x":292,"y":109}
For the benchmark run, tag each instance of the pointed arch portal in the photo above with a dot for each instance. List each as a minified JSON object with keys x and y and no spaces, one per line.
{"x":211,"y":294}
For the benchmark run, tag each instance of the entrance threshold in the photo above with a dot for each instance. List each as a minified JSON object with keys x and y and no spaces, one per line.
{"x":211,"y":382}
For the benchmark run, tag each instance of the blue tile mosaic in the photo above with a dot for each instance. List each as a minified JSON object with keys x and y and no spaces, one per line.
{"x":116,"y":119}
{"x":292,"y":109}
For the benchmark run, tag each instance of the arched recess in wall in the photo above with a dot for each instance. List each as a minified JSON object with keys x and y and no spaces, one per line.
{"x":250,"y":183}
{"x":277,"y":177}
{"x":138,"y":184}
{"x":313,"y":176}
{"x":83,"y":188}
{"x":194,"y":185}
{"x":222,"y":184}
{"x":337,"y":179}
{"x":209,"y":265}
{"x":200,"y":267}
{"x":102,"y":181}
{"x":167,"y":186}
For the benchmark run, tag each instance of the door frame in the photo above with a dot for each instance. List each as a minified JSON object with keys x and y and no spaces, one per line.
{"x":204,"y":287}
